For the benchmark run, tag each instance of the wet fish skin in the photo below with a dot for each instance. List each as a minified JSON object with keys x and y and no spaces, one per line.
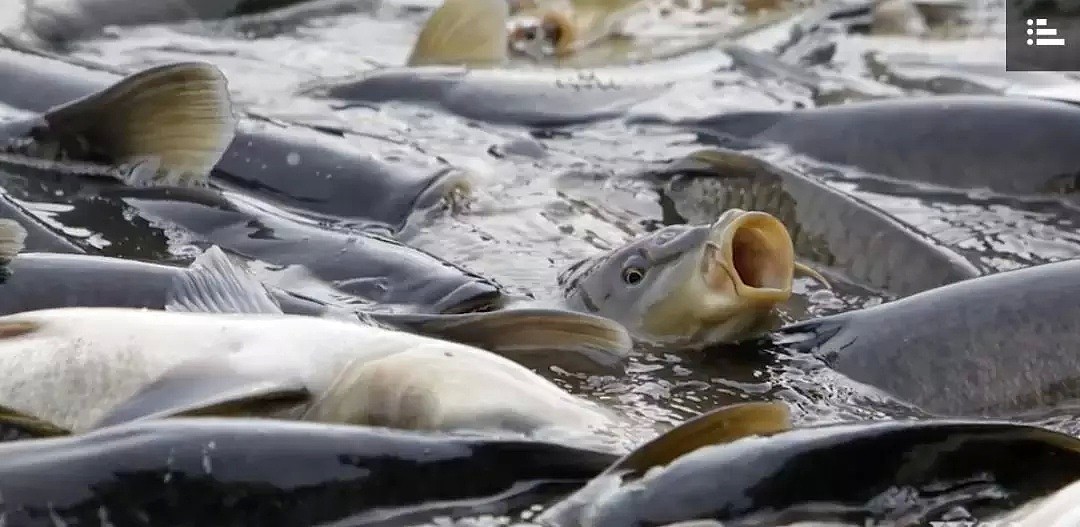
{"x":995,"y":345}
{"x":1013,"y":145}
{"x":47,"y":280}
{"x":376,"y":268}
{"x":141,"y":224}
{"x":84,"y":368}
{"x":784,"y":471}
{"x":523,"y":97}
{"x":295,"y":166}
{"x":58,"y":22}
{"x":826,"y":225}
{"x":204,"y":471}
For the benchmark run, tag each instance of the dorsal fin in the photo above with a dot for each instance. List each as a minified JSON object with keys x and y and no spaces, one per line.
{"x":215,"y":284}
{"x":723,"y":425}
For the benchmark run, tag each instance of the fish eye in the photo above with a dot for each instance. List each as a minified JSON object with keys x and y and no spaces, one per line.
{"x":633,"y":275}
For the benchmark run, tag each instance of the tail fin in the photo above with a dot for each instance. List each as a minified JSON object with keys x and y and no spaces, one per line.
{"x":570,"y":340}
{"x":12,"y":239}
{"x":175,"y":119}
{"x":463,"y":32}
{"x":723,"y":425}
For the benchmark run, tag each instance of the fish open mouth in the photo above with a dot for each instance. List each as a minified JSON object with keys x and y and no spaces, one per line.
{"x":752,"y":256}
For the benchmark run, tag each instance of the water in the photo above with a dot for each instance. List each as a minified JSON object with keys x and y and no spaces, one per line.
{"x":543,"y":200}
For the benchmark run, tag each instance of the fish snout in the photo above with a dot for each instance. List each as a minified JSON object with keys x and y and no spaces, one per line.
{"x":750,"y":256}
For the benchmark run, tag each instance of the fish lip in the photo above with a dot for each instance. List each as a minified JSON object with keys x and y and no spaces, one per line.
{"x":764,"y":241}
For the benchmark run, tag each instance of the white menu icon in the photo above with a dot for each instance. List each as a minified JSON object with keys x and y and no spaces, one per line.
{"x":1037,"y":28}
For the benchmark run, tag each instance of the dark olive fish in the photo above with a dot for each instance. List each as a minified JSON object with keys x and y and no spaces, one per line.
{"x":369,"y":268}
{"x":295,"y":166}
{"x":234,"y":472}
{"x":826,"y":226}
{"x":1006,"y":144}
{"x":827,"y":473}
{"x":998,"y":344}
{"x":239,"y":471}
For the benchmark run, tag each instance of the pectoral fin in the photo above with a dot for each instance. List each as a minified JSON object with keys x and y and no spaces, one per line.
{"x":214,"y":283}
{"x":16,"y":425}
{"x":221,"y":385}
{"x":723,"y":425}
{"x":170,"y":124}
{"x":570,"y":340}
{"x":463,"y":32}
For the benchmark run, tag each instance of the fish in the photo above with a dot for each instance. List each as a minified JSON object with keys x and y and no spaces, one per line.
{"x":756,"y":479}
{"x":85,"y":368}
{"x":246,"y":471}
{"x":1007,"y":145}
{"x":57,"y":23}
{"x":38,"y":281}
{"x":997,"y":345}
{"x":690,"y":284}
{"x":827,"y":227}
{"x":302,"y":169}
{"x":243,"y":471}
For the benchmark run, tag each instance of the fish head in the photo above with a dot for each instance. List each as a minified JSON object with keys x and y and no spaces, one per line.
{"x":690,"y":284}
